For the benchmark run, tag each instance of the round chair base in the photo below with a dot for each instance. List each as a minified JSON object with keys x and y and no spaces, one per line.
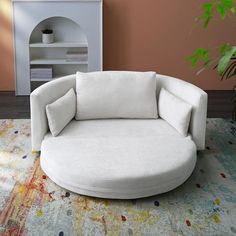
{"x":118,"y":168}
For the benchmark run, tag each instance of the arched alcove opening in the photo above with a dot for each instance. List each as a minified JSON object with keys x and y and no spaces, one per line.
{"x":67,"y":54}
{"x":65,"y":30}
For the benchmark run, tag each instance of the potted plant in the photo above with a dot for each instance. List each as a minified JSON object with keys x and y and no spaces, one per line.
{"x":47,"y":36}
{"x":226,"y":59}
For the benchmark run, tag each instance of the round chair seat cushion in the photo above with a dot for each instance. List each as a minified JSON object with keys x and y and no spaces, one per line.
{"x":123,"y":168}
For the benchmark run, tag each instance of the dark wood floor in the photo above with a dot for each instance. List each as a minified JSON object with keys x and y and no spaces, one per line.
{"x":220,"y":104}
{"x":12,"y":107}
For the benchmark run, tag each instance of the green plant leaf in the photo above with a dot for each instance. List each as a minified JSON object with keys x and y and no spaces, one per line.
{"x":228,"y":3}
{"x":207,"y":16}
{"x":199,"y":54}
{"x":225,"y":59}
{"x":221,"y":10}
{"x":223,"y":7}
{"x":225,"y":47}
{"x":230,"y":71}
{"x":207,"y":7}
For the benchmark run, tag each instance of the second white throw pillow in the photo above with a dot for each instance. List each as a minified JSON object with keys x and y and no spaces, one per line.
{"x":175,"y":111}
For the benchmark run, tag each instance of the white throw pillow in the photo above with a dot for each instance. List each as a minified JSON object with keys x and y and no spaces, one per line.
{"x":61,"y":112}
{"x":175,"y":111}
{"x":116,"y":94}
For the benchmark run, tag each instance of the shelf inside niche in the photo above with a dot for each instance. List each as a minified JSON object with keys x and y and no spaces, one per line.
{"x":46,"y":80}
{"x":45,"y":61}
{"x":41,"y":80}
{"x":59,"y":45}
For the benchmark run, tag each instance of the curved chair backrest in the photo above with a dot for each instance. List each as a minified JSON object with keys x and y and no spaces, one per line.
{"x":39,"y":98}
{"x":53,"y":90}
{"x":194,"y":96}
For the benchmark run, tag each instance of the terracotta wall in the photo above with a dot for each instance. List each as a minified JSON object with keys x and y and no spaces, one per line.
{"x":143,"y":35}
{"x":6,"y":47}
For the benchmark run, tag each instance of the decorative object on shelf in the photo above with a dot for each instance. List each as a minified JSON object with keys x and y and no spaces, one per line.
{"x":76,"y":56}
{"x":47,"y":36}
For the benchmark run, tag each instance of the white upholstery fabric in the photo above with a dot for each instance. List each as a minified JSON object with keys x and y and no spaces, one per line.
{"x":194,"y":96}
{"x":39,"y":98}
{"x":118,"y":158}
{"x":117,"y":128}
{"x":61,"y":112}
{"x":116,"y":94}
{"x":153,"y":158}
{"x":175,"y":111}
{"x":43,"y":95}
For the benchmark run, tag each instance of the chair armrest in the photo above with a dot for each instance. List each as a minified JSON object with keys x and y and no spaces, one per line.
{"x":39,"y":98}
{"x":194,"y":96}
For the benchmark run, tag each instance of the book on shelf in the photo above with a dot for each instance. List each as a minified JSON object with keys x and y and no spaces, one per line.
{"x":41,"y":72}
{"x":76,"y":56}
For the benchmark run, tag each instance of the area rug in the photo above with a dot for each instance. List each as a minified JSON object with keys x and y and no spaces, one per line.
{"x":31,"y":204}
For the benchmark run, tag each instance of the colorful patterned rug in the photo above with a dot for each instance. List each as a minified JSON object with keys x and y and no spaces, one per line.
{"x":31,"y":204}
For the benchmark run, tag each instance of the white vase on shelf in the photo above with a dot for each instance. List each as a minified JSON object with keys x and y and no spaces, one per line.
{"x":47,"y":37}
